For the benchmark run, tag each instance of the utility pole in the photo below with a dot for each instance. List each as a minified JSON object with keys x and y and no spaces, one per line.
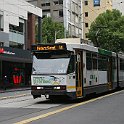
{"x":39,"y":30}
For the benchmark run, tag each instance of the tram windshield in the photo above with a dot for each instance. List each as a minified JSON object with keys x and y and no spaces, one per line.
{"x":50,"y":66}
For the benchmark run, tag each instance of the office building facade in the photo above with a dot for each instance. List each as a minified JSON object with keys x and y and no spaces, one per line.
{"x":17,"y":34}
{"x":67,"y":12}
{"x":91,"y":10}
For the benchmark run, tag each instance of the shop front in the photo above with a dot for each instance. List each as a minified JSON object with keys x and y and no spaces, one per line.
{"x":15,"y":67}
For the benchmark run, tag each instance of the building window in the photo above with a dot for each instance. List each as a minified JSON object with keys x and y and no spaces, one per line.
{"x":15,"y":45}
{"x":60,"y":1}
{"x":60,"y":13}
{"x":46,"y":10}
{"x":85,"y":2}
{"x":86,"y":14}
{"x":1,"y":44}
{"x":1,"y":22}
{"x":56,"y":2}
{"x":86,"y":35}
{"x":45,"y":4}
{"x":17,"y":29}
{"x":86,"y":24}
{"x":96,"y":2}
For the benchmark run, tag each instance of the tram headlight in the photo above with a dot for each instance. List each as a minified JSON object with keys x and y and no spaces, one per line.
{"x":39,"y":88}
{"x":57,"y":88}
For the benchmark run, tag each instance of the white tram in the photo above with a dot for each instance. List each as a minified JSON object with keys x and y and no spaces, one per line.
{"x":74,"y":70}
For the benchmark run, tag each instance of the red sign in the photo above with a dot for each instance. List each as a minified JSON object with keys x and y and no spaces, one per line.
{"x":6,"y":52}
{"x":17,"y":79}
{"x":1,"y":50}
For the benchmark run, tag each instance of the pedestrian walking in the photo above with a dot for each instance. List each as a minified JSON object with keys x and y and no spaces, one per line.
{"x":5,"y":82}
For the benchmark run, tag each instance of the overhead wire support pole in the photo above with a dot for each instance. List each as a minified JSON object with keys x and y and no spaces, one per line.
{"x":39,"y":30}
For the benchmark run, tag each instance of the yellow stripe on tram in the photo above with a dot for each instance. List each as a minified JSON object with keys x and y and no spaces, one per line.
{"x":71,"y":87}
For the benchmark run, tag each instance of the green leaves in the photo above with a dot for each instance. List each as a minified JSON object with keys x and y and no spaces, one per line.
{"x":107,"y":31}
{"x":51,"y":29}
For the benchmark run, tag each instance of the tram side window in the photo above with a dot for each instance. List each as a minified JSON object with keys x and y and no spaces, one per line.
{"x":121,"y":64}
{"x":89,"y":61}
{"x":71,"y":66}
{"x":114,"y":66}
{"x":95,"y":60}
{"x":102,"y":63}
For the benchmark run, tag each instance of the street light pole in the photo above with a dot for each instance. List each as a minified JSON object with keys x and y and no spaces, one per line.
{"x":56,"y":32}
{"x":39,"y":30}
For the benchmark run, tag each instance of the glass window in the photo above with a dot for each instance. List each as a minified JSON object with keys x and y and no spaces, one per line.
{"x":50,"y":66}
{"x":16,"y":45}
{"x":95,"y":61}
{"x":43,"y":4}
{"x":86,"y":14}
{"x":56,"y":2}
{"x":47,"y":4}
{"x":60,"y":1}
{"x":86,"y":2}
{"x":121,"y":64}
{"x":86,"y":24}
{"x":71,"y":66}
{"x":102,"y":63}
{"x":17,"y":29}
{"x":1,"y":44}
{"x":60,"y":13}
{"x":96,"y":2}
{"x":114,"y":63}
{"x":1,"y":23}
{"x":89,"y":61}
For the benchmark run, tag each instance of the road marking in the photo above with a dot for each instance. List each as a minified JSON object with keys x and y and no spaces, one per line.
{"x":16,"y":96}
{"x":64,"y":109}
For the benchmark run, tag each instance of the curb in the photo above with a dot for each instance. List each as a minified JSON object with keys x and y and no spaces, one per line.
{"x":14,"y":90}
{"x":11,"y":97}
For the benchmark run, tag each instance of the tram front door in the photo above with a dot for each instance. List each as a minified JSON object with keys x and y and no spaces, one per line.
{"x":79,"y":73}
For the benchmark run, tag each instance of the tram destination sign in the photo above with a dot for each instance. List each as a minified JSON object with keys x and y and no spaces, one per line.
{"x":48,"y":47}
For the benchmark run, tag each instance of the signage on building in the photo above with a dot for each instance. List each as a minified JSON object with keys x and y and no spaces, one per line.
{"x":96,"y":2}
{"x":3,"y":51}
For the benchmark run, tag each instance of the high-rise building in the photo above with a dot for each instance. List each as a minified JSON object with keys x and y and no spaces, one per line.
{"x":67,"y":12}
{"x":91,"y":9}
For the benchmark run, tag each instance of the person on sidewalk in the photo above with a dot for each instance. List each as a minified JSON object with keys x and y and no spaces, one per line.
{"x":5,"y":82}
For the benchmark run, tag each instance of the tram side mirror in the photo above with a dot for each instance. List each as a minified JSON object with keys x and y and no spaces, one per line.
{"x":73,"y":77}
{"x":78,"y":58}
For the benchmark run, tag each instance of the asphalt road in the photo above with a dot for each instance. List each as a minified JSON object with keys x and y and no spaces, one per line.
{"x":24,"y":109}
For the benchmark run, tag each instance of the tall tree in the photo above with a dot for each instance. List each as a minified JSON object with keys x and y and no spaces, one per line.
{"x":107,"y":31}
{"x":51,"y":30}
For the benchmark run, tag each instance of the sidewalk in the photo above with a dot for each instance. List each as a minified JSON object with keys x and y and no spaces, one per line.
{"x":14,"y":89}
{"x":14,"y":93}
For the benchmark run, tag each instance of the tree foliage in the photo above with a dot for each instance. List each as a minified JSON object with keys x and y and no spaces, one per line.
{"x":107,"y":31}
{"x":49,"y":27}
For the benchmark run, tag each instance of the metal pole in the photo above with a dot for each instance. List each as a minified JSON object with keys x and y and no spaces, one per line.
{"x":39,"y":30}
{"x":55,"y":36}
